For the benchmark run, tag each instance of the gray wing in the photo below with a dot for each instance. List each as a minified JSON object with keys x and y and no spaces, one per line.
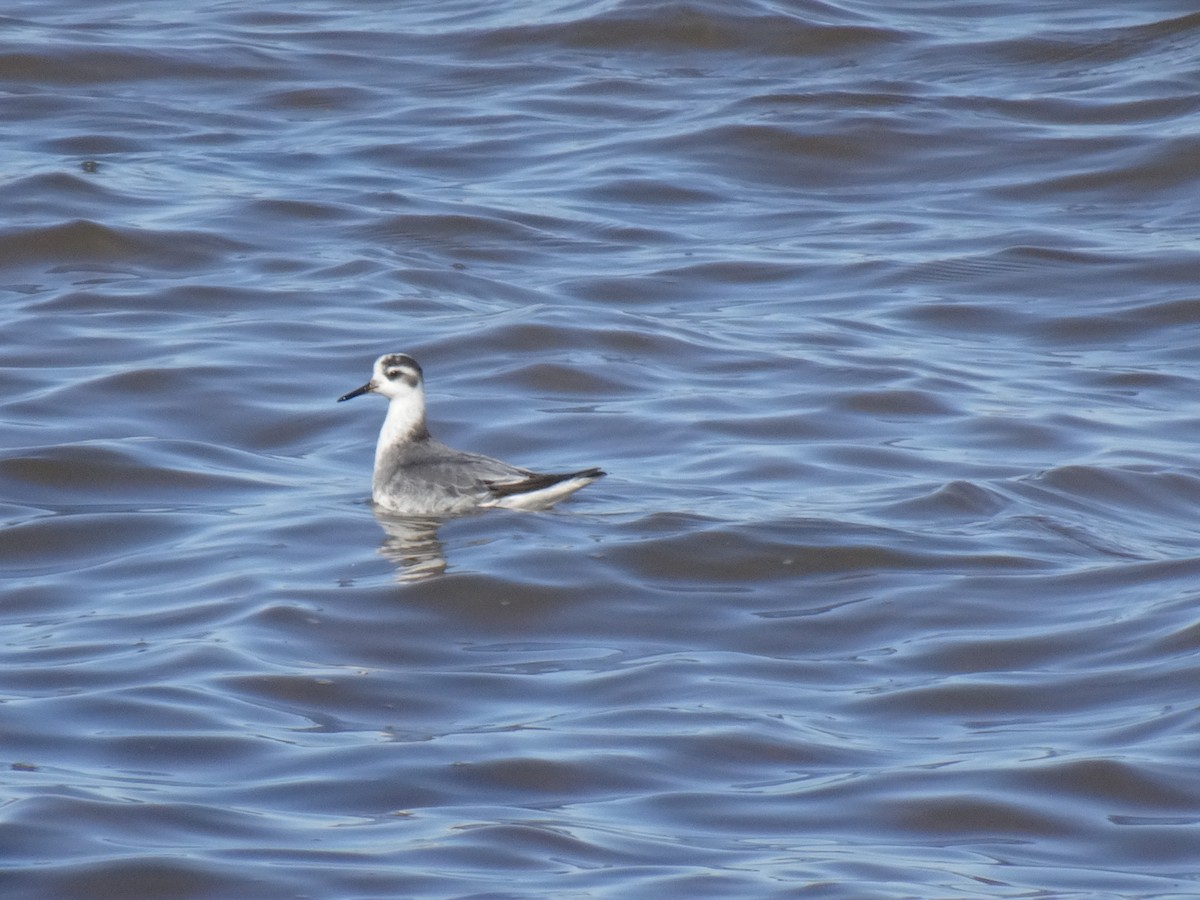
{"x":434,"y":467}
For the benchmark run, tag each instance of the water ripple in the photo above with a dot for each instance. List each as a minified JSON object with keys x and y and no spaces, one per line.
{"x":882,"y":321}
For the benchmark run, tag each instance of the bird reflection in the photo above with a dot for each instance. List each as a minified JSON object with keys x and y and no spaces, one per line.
{"x":412,"y":545}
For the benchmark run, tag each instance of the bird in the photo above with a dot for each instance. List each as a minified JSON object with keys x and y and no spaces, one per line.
{"x":417,"y":475}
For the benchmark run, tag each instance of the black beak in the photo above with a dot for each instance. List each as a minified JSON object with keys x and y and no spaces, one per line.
{"x":357,"y":392}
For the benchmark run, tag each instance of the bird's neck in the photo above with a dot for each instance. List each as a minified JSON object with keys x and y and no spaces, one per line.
{"x":405,"y":422}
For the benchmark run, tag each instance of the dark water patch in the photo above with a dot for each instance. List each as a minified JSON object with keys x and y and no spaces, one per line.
{"x":899,"y":403}
{"x":87,"y":243}
{"x":1183,"y":641}
{"x":290,"y":211}
{"x":783,"y":156}
{"x":973,"y":818}
{"x":985,"y":700}
{"x":1182,"y":312}
{"x":686,"y":28}
{"x":646,"y":192}
{"x":346,"y":793}
{"x":720,"y":557}
{"x":1150,"y":491}
{"x":1041,"y":437}
{"x":275,"y":18}
{"x":95,"y":144}
{"x":1087,"y":49}
{"x":1110,"y":784}
{"x":444,"y":162}
{"x":61,"y":544}
{"x":76,"y":65}
{"x":536,"y":845}
{"x":1126,"y":581}
{"x":852,"y":461}
{"x":541,"y":781}
{"x":1085,"y":330}
{"x":137,"y":823}
{"x":149,"y":876}
{"x":1006,"y":271}
{"x":467,"y":237}
{"x":333,"y":702}
{"x":138,"y":472}
{"x":553,"y":380}
{"x":1024,"y":650}
{"x":735,"y":273}
{"x":618,"y":94}
{"x":953,"y":500}
{"x":339,"y":100}
{"x":1136,"y":175}
{"x":629,"y":291}
{"x":45,"y":194}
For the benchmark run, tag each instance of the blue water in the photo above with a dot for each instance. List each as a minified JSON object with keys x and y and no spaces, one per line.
{"x":882,"y":319}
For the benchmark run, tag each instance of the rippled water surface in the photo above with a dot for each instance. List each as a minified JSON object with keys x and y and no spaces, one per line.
{"x":882,"y":317}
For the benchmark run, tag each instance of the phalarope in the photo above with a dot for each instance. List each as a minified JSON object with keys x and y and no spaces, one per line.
{"x":419,"y":476}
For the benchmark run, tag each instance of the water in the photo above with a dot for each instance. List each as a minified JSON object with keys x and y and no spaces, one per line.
{"x":882,"y":318}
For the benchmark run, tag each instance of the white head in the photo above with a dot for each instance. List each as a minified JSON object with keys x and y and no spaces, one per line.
{"x":399,"y":378}
{"x":396,"y":375}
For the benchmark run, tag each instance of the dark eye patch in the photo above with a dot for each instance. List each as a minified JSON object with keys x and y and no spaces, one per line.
{"x":403,"y":373}
{"x":400,"y":367}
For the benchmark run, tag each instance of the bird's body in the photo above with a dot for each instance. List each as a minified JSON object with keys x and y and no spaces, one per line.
{"x":419,"y":476}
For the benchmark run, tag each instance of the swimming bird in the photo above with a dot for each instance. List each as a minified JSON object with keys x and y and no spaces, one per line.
{"x":418,"y":476}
